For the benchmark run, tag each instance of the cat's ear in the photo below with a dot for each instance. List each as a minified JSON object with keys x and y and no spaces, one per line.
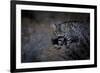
{"x":63,"y":26}
{"x":54,"y":27}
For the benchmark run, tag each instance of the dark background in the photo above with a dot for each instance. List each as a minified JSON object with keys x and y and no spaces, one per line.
{"x":37,"y":32}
